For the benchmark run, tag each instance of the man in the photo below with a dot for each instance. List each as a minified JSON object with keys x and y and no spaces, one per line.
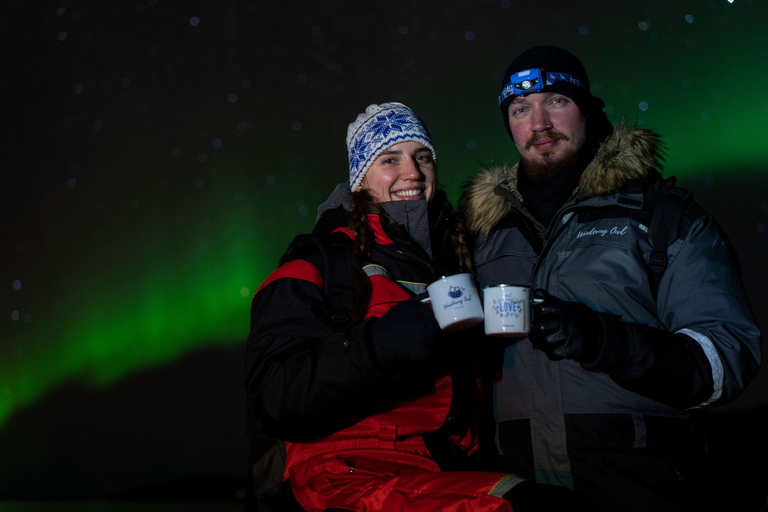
{"x":631,"y":333}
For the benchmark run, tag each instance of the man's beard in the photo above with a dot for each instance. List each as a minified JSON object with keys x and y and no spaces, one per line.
{"x":547,"y":166}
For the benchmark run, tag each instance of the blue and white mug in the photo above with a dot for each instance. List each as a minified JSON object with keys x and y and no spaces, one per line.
{"x":507,"y":310}
{"x":455,"y":302}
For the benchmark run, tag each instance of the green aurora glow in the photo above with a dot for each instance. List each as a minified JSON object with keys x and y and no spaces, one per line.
{"x":126,"y":319}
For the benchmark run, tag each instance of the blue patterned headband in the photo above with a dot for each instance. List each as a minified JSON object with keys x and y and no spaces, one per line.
{"x":379,"y":128}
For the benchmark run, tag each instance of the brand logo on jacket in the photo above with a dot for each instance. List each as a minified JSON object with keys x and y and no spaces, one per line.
{"x":602,"y":232}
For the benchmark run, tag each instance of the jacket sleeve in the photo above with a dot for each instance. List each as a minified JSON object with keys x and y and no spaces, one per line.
{"x":709,"y":348}
{"x":701,"y":296}
{"x":303,"y":379}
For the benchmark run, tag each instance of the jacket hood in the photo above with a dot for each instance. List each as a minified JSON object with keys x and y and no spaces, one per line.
{"x":341,"y":196}
{"x":628,"y":155}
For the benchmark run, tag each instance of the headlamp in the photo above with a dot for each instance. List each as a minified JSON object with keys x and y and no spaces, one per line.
{"x":534,"y":80}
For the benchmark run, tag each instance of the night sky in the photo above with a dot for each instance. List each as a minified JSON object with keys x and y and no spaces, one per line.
{"x":158,"y":156}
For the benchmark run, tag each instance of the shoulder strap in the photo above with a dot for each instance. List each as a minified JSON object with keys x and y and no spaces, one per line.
{"x":339,"y":281}
{"x":668,"y":210}
{"x":335,"y":250}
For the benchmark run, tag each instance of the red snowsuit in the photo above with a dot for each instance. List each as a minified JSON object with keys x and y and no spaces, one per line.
{"x":386,"y":454}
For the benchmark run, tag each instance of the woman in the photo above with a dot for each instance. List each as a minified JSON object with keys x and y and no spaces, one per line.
{"x":375,"y":408}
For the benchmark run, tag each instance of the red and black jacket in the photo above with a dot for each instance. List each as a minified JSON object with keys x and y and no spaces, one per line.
{"x":312,"y":384}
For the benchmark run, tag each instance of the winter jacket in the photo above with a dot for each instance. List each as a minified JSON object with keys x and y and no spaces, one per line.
{"x":323,"y":391}
{"x":596,"y":251}
{"x":299,"y":367}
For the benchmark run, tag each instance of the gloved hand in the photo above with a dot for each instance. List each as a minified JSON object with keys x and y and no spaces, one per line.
{"x":532,"y":497}
{"x":663,"y":366}
{"x":405,"y":335}
{"x":565,"y":330}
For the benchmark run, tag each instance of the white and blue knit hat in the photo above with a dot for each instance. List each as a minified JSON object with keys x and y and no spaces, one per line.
{"x":378,"y":128}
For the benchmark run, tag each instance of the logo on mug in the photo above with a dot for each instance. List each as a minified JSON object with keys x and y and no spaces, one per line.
{"x":507,"y":308}
{"x":457,"y":297}
{"x":455,"y":292}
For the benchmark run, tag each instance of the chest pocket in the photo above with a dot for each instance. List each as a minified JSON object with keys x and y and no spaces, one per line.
{"x":604,"y":258}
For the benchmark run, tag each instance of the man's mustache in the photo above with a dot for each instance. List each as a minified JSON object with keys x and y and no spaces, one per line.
{"x":551,"y":134}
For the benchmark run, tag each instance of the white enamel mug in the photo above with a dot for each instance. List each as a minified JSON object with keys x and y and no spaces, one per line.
{"x":507,"y":310}
{"x":455,"y":302}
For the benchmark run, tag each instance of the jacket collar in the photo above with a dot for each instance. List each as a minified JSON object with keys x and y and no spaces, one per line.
{"x":628,"y":155}
{"x":419,"y":220}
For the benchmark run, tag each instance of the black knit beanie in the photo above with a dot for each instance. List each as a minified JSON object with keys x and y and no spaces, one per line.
{"x":557,"y":60}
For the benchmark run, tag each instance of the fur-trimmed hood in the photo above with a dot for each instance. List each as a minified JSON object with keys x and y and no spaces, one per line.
{"x":628,"y":155}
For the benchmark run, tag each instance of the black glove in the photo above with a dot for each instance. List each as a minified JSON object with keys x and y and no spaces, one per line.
{"x":663,"y":366}
{"x":405,"y":335}
{"x":532,"y":497}
{"x":565,"y":330}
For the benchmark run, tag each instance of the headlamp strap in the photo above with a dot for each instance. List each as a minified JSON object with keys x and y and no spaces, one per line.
{"x":533,"y":80}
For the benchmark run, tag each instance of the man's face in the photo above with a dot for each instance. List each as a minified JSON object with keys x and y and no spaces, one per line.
{"x":403,"y":172}
{"x":548,"y":130}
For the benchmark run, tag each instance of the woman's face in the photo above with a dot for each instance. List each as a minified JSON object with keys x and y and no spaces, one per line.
{"x":402,"y":172}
